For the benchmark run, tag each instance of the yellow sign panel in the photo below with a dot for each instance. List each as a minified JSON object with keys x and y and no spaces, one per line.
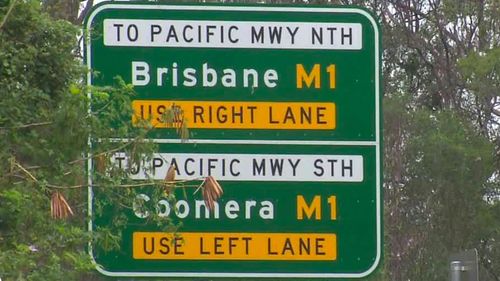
{"x":240,"y":115}
{"x":234,"y":246}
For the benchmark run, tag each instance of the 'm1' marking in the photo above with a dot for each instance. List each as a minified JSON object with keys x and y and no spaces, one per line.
{"x":314,"y":76}
{"x":314,"y":208}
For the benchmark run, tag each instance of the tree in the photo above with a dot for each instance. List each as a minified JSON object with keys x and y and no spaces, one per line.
{"x":71,"y":10}
{"x":440,"y":71}
{"x":41,"y":133}
{"x":45,"y":124}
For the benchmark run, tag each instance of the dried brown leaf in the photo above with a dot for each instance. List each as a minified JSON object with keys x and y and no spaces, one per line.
{"x":215,"y":187}
{"x":101,"y":163}
{"x":168,"y":184}
{"x":66,"y":207}
{"x":170,"y":176}
{"x":212,"y":191}
{"x":53,"y":205}
{"x":209,"y":201}
{"x":59,"y":207}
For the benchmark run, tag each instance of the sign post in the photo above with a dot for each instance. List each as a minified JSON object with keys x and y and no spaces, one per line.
{"x":283,"y":106}
{"x":464,"y":266}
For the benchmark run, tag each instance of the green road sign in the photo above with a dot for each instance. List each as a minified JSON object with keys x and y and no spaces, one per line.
{"x":283,"y":106}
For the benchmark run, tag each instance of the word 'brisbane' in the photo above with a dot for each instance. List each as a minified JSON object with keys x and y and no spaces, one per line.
{"x":206,"y":77}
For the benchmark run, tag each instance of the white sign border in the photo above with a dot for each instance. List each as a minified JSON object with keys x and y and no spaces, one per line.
{"x":377,"y":142}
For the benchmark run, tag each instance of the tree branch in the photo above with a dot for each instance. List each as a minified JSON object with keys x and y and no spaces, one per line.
{"x":7,"y":14}
{"x":24,"y":126}
{"x":85,"y":11}
{"x":124,"y":185}
{"x":24,"y":170}
{"x":163,"y":182}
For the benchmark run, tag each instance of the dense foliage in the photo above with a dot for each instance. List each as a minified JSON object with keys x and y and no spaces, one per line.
{"x":41,"y":132}
{"x":45,"y":124}
{"x":441,"y":134}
